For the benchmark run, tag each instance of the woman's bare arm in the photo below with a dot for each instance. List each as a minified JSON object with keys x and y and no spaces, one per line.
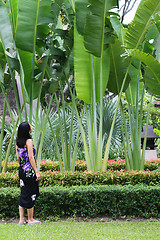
{"x":17,"y":155}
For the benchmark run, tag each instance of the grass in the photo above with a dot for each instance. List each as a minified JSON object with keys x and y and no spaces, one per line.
{"x":82,"y":231}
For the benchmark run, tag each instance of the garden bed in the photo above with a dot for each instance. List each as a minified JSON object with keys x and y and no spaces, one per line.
{"x":115,"y":193}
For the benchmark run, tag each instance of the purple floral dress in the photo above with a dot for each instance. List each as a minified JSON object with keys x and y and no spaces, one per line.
{"x":28,"y":184}
{"x":24,"y":161}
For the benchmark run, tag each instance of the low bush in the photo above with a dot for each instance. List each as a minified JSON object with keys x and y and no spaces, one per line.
{"x":50,"y":178}
{"x":87,"y":201}
{"x":100,"y":178}
{"x":118,"y":164}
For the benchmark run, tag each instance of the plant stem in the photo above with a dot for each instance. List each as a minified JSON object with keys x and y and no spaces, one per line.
{"x":2,"y":134}
{"x":10,"y":144}
{"x":145,"y":137}
{"x":42,"y":136}
{"x":104,"y":166}
{"x":57,"y":148}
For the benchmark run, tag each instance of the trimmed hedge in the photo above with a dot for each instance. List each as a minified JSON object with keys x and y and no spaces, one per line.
{"x":87,"y":201}
{"x":100,"y":178}
{"x":80,"y":165}
{"x":87,"y":178}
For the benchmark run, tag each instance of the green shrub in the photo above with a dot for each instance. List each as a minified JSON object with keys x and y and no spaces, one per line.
{"x":87,"y":201}
{"x":9,"y":179}
{"x":50,"y":178}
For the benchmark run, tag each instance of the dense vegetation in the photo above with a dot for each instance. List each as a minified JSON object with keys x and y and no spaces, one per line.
{"x":94,"y":80}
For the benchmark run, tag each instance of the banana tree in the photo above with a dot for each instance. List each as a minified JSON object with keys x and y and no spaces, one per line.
{"x":150,"y":76}
{"x":6,"y":43}
{"x":93,"y":36}
{"x":33,"y":29}
{"x":133,"y":39}
{"x":34,"y":17}
{"x":23,"y":29}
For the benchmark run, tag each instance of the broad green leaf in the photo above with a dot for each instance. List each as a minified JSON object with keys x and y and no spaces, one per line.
{"x":25,"y":59}
{"x":131,"y":91}
{"x":26,"y":78}
{"x":118,"y":27}
{"x":81,"y":12}
{"x":103,"y":66}
{"x":152,"y":32}
{"x":141,"y":22}
{"x":157,"y":21}
{"x":14,"y":12}
{"x":152,"y":72}
{"x":84,"y":72}
{"x":148,"y":48}
{"x":98,"y":7}
{"x":31,"y":15}
{"x":56,"y":7}
{"x":13,"y":62}
{"x":26,"y":30}
{"x":5,"y":28}
{"x":118,"y":66}
{"x":44,"y":18}
{"x":98,"y":30}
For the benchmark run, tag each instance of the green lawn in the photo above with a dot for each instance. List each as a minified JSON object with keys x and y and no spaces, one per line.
{"x":82,"y":230}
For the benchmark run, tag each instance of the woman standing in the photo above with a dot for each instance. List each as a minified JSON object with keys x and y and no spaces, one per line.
{"x":28,"y":173}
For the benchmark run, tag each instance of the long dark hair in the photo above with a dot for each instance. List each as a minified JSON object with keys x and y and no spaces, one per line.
{"x":23,"y":134}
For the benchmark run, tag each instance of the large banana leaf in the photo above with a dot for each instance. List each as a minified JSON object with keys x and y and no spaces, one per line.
{"x":84,"y":71}
{"x":14,"y":11}
{"x":6,"y":39}
{"x":81,"y":12}
{"x":30,"y":21}
{"x":118,"y":66}
{"x":141,"y":22}
{"x":98,"y":30}
{"x":44,"y":18}
{"x":131,"y":91}
{"x":25,"y":59}
{"x":26,"y":27}
{"x":5,"y":28}
{"x":118,"y":28}
{"x":152,"y":71}
{"x":96,"y":39}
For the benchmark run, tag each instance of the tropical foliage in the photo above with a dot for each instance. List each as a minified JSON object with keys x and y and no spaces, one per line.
{"x":29,"y":54}
{"x":123,"y":66}
{"x":106,"y":55}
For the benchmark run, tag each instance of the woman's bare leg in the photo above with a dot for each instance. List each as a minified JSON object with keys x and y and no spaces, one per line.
{"x":30,"y":216}
{"x":21,"y":214}
{"x":30,"y":212}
